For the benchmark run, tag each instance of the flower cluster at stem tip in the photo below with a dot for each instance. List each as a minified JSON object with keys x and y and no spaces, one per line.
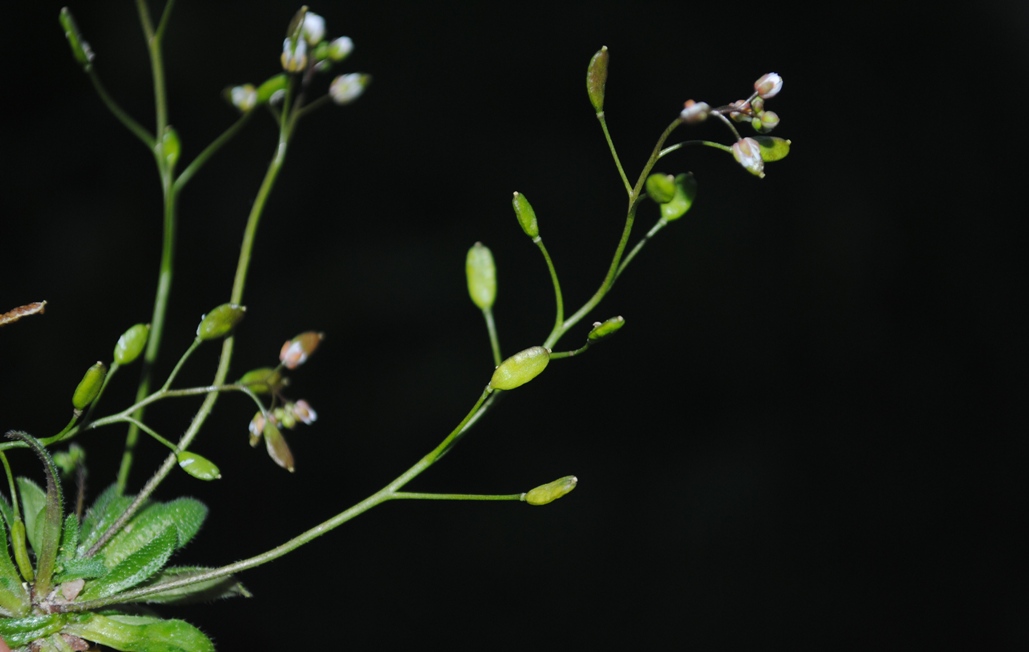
{"x":305,"y":51}
{"x":268,"y":422}
{"x":746,"y":151}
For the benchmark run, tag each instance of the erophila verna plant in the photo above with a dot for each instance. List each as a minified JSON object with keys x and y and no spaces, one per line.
{"x":71,"y":576}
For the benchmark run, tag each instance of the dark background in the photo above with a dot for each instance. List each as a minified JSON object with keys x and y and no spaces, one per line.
{"x":809,"y":434}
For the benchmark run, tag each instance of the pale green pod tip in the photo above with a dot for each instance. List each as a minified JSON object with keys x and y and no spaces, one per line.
{"x":264,"y":380}
{"x":198,"y":466}
{"x":481,"y":273}
{"x":596,"y":78}
{"x":520,"y":368}
{"x":219,"y":322}
{"x":89,"y":387}
{"x":551,"y":491}
{"x":661,"y":187}
{"x":131,"y":344}
{"x":606,"y":329}
{"x":526,"y":216}
{"x":275,"y":84}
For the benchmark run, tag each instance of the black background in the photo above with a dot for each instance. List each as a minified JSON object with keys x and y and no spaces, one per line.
{"x":809,"y":433}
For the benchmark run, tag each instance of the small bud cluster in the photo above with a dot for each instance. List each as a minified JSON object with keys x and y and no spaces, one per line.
{"x":748,"y":152}
{"x":283,"y":412}
{"x":305,"y":51}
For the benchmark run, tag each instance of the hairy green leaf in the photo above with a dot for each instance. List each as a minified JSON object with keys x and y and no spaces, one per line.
{"x":206,"y":591}
{"x":183,"y":516}
{"x":14,"y":599}
{"x":140,"y":633}
{"x":33,"y":502}
{"x":22,"y":631}
{"x":137,"y":567}
{"x":105,"y":510}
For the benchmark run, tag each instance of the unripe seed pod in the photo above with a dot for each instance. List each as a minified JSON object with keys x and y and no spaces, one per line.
{"x":481,"y":273}
{"x":661,"y":187}
{"x":267,"y":91}
{"x":526,"y":216}
{"x":131,"y":344}
{"x":198,"y":466}
{"x":596,"y":78}
{"x":263,"y":381}
{"x":21,"y":552}
{"x":79,"y":48}
{"x":685,"y":193}
{"x":606,"y":329}
{"x":219,"y":322}
{"x":277,"y":447}
{"x":170,"y":146}
{"x":773,"y":148}
{"x":551,"y":491}
{"x":89,"y":387}
{"x":520,"y":368}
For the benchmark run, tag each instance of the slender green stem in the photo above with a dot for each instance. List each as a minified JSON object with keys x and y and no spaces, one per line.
{"x":570,"y":354}
{"x":134,"y":127}
{"x":10,"y":484}
{"x":389,"y":492}
{"x":661,"y":223}
{"x":178,"y":365}
{"x":165,"y":15}
{"x":405,"y":495}
{"x":614,"y":153}
{"x":559,"y":316}
{"x":494,"y":341}
{"x":202,"y":158}
{"x":153,"y":433}
{"x":686,"y":143}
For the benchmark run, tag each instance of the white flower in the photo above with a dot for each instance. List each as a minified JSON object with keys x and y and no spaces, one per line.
{"x":243,"y":97}
{"x":340,"y":48}
{"x":314,"y":28}
{"x":748,"y":153}
{"x":347,"y":88}
{"x":768,"y":85}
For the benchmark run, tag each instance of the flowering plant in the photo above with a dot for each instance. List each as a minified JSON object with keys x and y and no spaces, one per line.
{"x":74,"y":576}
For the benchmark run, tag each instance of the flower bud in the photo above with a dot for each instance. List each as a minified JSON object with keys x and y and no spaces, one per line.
{"x":314,"y":28}
{"x":481,"y":273}
{"x":767,"y":121}
{"x":757,"y":105}
{"x":264,"y":380}
{"x":340,"y":48}
{"x":685,"y":193}
{"x":170,"y":147}
{"x":606,"y":329}
{"x":520,"y":368}
{"x":768,"y":85}
{"x":219,"y":322}
{"x":89,"y":387}
{"x":131,"y":344}
{"x":79,"y":48}
{"x":198,"y":466}
{"x":773,"y":148}
{"x":304,"y":412}
{"x":294,"y":55}
{"x":256,"y":428}
{"x":694,"y":112}
{"x":747,"y":152}
{"x":596,"y":79}
{"x":551,"y":491}
{"x":526,"y":216}
{"x":242,"y":97}
{"x":284,"y":417}
{"x":661,"y":187}
{"x":296,"y":351}
{"x":347,"y":88}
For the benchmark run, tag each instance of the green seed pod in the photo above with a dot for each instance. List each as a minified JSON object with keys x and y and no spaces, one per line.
{"x":89,"y":386}
{"x":79,"y":48}
{"x":270,"y":87}
{"x":170,"y":146}
{"x":773,"y":148}
{"x":661,"y":187}
{"x":526,"y":216}
{"x":21,"y":551}
{"x":481,"y":273}
{"x":606,"y":329}
{"x":277,"y":447}
{"x":596,"y":78}
{"x":520,"y":368}
{"x":551,"y":491}
{"x":685,"y":193}
{"x":131,"y":344}
{"x":219,"y":322}
{"x":198,"y":466}
{"x":264,"y":380}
